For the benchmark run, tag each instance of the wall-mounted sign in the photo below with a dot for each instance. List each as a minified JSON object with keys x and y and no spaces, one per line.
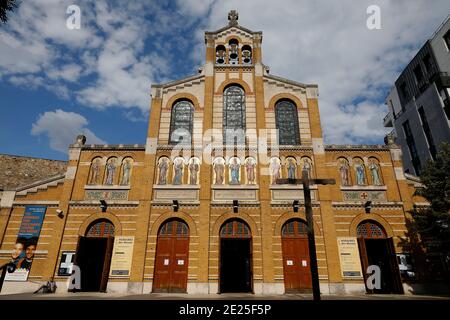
{"x":66,"y":263}
{"x":122,"y":256}
{"x":359,"y":196}
{"x":27,"y":238}
{"x":349,"y":257}
{"x":106,"y":195}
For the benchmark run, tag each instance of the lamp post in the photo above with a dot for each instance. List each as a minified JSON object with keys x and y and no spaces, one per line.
{"x":306,"y":182}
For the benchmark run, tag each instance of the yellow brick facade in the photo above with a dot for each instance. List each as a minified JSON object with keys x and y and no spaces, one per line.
{"x":205,"y":207}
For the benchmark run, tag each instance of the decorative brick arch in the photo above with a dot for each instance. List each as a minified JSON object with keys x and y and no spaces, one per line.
{"x":233,"y":36}
{"x":286,"y":96}
{"x":101,"y":215}
{"x":171,"y":215}
{"x":228,"y":82}
{"x":183,"y":96}
{"x":293,"y":215}
{"x":227,"y":216}
{"x":371,"y":216}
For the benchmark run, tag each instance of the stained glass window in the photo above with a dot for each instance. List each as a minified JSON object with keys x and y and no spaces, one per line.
{"x":181,"y":123}
{"x":370,"y":230}
{"x":101,"y":228}
{"x":294,"y":228}
{"x":174,"y":228}
{"x":287,"y":123}
{"x":235,"y":229}
{"x":233,"y":115}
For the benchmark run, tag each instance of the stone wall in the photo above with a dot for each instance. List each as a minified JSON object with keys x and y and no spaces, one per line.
{"x":16,"y":171}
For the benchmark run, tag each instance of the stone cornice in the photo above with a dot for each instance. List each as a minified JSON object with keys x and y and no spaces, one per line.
{"x":131,"y":147}
{"x":360,"y":205}
{"x":361,"y":147}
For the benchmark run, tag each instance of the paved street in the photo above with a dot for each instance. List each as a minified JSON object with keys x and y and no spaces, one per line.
{"x":153,"y":296}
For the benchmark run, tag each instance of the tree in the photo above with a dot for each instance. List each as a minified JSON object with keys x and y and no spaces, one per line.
{"x":5,"y":6}
{"x":432,"y":223}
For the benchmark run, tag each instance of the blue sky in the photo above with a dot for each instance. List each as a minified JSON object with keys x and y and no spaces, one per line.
{"x":56,"y":82}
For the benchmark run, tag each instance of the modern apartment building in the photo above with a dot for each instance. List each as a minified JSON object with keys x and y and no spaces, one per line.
{"x":419,"y":103}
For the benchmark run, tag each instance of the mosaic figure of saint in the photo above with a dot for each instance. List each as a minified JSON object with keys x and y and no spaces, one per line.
{"x":250,"y":168}
{"x":110,"y":171}
{"x":126,"y":172}
{"x":95,"y":172}
{"x":360,"y":177}
{"x":291,"y":166}
{"x":275,"y":170}
{"x":235,"y":167}
{"x":307,"y":166}
{"x":345,"y":174}
{"x":163,"y":167}
{"x":219,"y":169}
{"x":178,"y":168}
{"x":194,"y":167}
{"x":375,"y":172}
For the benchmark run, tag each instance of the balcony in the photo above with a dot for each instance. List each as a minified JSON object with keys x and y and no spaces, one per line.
{"x":388,"y":120}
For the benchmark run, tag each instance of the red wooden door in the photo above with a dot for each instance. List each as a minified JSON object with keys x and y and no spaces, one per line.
{"x":296,"y":263}
{"x":172,"y":254}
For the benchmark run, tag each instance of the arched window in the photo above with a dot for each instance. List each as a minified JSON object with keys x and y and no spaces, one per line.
{"x":101,"y":228}
{"x":294,"y":228}
{"x":234,"y":115}
{"x":233,"y":49}
{"x":220,"y":54}
{"x":181,"y":122}
{"x":287,"y":123}
{"x":370,"y":230}
{"x":246,"y":54}
{"x":175,"y":227}
{"x":235,"y":229}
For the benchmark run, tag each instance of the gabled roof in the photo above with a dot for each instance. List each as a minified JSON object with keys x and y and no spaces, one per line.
{"x":233,"y":17}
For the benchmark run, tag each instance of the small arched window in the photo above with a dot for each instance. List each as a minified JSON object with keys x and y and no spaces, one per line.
{"x":287,"y":123}
{"x":233,"y":50}
{"x":235,"y":229}
{"x":100,"y":229}
{"x":234,"y":115}
{"x":246,"y":54}
{"x":294,"y":228}
{"x":220,"y":54}
{"x":370,"y":230}
{"x":174,"y":228}
{"x":181,"y":122}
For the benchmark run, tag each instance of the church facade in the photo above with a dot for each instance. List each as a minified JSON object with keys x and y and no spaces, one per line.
{"x":200,"y":207}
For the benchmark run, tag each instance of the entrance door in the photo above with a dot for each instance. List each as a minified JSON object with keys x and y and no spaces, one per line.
{"x":297,"y":270}
{"x":93,"y":256}
{"x":171,"y":263}
{"x":235,"y":257}
{"x":376,"y":249}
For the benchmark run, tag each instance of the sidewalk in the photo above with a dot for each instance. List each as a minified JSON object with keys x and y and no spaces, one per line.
{"x":236,"y":296}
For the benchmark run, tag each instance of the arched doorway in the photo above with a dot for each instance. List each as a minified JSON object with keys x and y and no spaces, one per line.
{"x":171,"y":261}
{"x":93,"y":255}
{"x":294,"y":242}
{"x":235,"y":257}
{"x":376,"y":248}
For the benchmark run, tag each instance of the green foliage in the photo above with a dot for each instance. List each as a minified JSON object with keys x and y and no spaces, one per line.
{"x":5,"y":6}
{"x":433,"y":223}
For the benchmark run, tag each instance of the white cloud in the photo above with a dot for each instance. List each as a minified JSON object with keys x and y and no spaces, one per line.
{"x":62,"y":127}
{"x":109,"y":63}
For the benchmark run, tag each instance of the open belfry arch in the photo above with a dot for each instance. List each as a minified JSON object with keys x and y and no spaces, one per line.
{"x":185,"y":201}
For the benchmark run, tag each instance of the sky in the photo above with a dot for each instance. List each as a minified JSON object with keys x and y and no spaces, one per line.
{"x":56,"y":82}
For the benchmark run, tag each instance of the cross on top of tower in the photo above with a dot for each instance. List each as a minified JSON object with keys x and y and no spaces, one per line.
{"x":233,"y":17}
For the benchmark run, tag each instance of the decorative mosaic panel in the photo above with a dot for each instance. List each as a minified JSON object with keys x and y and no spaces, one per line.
{"x":106,"y":195}
{"x":358,"y":196}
